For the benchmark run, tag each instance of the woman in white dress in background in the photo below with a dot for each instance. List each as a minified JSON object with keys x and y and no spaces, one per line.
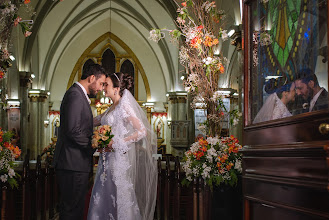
{"x":275,"y":106}
{"x":126,"y":188}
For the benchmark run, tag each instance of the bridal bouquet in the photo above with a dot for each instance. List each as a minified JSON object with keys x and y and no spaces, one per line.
{"x":216,"y":160}
{"x":8,"y":154}
{"x":102,"y":137}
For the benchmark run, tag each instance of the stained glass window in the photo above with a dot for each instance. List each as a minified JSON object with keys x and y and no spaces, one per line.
{"x":289,"y":73}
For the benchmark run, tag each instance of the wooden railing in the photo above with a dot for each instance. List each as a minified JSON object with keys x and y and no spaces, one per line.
{"x":37,"y":195}
{"x":175,"y":201}
{"x":35,"y":198}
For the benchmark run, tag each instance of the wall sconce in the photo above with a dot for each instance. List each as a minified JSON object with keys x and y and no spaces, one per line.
{"x":148,"y":105}
{"x":46,"y":123}
{"x":169,"y":123}
{"x":235,"y":35}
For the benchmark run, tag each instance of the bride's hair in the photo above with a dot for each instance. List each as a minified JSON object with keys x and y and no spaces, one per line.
{"x":122,"y":80}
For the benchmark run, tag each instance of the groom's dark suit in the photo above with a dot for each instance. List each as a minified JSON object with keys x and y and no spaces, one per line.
{"x":73,"y":154}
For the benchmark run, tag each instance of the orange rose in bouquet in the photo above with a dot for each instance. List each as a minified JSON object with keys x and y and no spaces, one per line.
{"x":102,"y":137}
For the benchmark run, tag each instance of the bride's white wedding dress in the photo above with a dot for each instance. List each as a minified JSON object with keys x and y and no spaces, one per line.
{"x":126,"y":188}
{"x":272,"y":109}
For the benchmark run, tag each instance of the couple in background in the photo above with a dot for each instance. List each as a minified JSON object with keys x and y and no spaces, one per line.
{"x":128,"y":190}
{"x":310,"y":97}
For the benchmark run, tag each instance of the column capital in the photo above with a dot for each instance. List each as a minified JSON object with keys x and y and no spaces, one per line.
{"x":37,"y":95}
{"x":25,"y":79}
{"x":177,"y":97}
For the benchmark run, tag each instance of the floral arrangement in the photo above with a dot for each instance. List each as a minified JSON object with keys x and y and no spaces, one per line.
{"x":200,"y":31}
{"x":48,"y":153}
{"x":101,"y":138}
{"x":9,"y":18}
{"x":215,"y":160}
{"x":8,"y":154}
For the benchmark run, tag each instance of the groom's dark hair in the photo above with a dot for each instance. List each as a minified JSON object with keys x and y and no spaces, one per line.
{"x":93,"y":69}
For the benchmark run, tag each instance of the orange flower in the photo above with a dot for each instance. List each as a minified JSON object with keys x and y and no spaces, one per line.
{"x":198,"y":155}
{"x":215,"y":41}
{"x":200,"y":28}
{"x":203,"y":142}
{"x":27,"y":1}
{"x":208,"y":41}
{"x":2,"y":74}
{"x":221,"y":68}
{"x":229,"y":166}
{"x":203,"y":148}
{"x":223,"y":158}
{"x":17,"y":152}
{"x":184,"y":4}
{"x":195,"y":42}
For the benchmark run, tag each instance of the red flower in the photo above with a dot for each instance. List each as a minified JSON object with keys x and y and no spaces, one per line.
{"x":2,"y":74}
{"x":184,"y":4}
{"x":27,"y":1}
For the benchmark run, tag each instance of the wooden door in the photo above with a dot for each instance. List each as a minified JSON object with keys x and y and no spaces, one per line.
{"x":286,"y":117}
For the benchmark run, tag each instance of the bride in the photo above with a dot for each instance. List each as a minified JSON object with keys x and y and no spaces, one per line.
{"x":275,"y":106}
{"x":126,"y":188}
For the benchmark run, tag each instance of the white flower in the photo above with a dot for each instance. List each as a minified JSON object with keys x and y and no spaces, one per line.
{"x":305,"y":105}
{"x":206,"y":171}
{"x":183,"y":55}
{"x":224,"y":35}
{"x":11,"y":172}
{"x":180,"y":20}
{"x":217,"y":95}
{"x":4,"y":178}
{"x":194,"y":147}
{"x":202,"y":128}
{"x":238,"y":166}
{"x":212,"y":140}
{"x":207,"y":60}
{"x":156,"y":35}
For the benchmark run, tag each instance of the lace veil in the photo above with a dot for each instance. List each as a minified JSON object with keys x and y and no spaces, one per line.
{"x":266,"y":112}
{"x":134,"y":138}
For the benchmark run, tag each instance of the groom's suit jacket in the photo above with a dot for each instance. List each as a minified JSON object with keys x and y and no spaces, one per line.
{"x":73,"y":148}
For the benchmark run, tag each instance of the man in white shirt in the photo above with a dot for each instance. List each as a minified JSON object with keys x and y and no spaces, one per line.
{"x":307,"y":86}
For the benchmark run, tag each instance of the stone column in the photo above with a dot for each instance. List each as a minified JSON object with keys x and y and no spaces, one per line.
{"x":38,"y":110}
{"x":43,"y":110}
{"x":33,"y":127}
{"x":182,"y":110}
{"x":177,"y":111}
{"x":25,"y":84}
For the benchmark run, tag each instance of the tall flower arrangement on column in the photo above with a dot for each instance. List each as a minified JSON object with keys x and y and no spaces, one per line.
{"x":201,"y":33}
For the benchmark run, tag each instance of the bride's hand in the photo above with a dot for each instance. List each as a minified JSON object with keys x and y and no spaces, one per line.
{"x":108,"y":148}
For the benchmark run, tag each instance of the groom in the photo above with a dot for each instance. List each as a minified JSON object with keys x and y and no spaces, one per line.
{"x":73,"y":154}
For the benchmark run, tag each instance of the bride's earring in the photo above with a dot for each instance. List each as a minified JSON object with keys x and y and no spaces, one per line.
{"x":115,"y":93}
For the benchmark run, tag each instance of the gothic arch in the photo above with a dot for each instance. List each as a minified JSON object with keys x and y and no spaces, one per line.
{"x":130,"y":54}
